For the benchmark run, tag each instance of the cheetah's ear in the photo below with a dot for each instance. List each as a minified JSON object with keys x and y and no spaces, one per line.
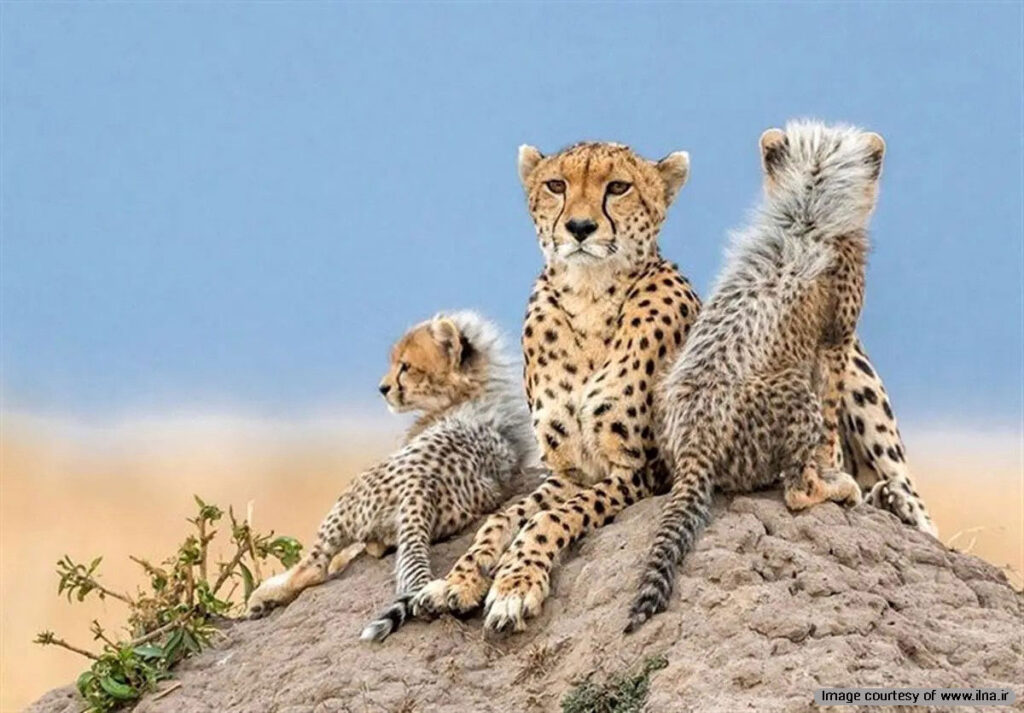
{"x":674,"y":169}
{"x":774,"y":147}
{"x":876,"y":148}
{"x":529,"y":157}
{"x":451,"y":341}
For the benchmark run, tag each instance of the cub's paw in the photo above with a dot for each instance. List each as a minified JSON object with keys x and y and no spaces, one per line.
{"x":841,"y":487}
{"x":272,"y":593}
{"x":813,"y":487}
{"x":886,"y":495}
{"x":517,"y":595}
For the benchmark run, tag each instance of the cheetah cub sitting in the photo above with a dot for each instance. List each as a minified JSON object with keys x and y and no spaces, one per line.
{"x":751,"y":399}
{"x":456,"y":464}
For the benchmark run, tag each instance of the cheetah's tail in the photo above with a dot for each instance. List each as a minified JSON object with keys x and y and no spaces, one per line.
{"x":685,"y":515}
{"x":389,"y":621}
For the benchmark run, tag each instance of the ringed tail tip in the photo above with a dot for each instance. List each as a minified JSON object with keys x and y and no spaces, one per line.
{"x":376,"y":630}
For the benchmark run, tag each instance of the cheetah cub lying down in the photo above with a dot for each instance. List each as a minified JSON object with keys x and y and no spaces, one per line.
{"x":458,"y":458}
{"x":752,"y":398}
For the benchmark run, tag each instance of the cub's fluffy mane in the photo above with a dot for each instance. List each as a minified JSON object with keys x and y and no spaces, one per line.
{"x":481,"y":334}
{"x":501,"y":402}
{"x":823,"y":189}
{"x":824,"y":178}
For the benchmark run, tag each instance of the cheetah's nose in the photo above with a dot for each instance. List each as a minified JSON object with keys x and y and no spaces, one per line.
{"x":580,"y":229}
{"x":384,"y":389}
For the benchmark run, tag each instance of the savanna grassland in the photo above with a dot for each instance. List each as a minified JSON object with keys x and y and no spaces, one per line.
{"x":127,"y":490}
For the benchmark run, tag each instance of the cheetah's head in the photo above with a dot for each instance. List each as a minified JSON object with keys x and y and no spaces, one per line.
{"x":820,"y":175}
{"x":599,"y":202}
{"x":433,"y":366}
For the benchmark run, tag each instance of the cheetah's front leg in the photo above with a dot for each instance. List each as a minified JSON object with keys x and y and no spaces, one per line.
{"x":523,"y":575}
{"x":334,"y":538}
{"x":463,"y":589}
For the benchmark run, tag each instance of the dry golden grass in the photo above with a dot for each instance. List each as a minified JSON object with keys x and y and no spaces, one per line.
{"x":127,"y":491}
{"x":973,"y":485}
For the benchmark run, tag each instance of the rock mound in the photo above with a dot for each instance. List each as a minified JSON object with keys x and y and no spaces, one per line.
{"x":768,"y":608}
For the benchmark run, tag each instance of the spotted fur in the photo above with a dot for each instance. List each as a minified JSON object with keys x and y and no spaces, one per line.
{"x":873,"y":449}
{"x":754,"y":397}
{"x":606,"y":315}
{"x":472,"y":435}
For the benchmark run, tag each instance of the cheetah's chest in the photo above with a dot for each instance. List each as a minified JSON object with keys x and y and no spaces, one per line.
{"x":564,"y":355}
{"x":592,"y":320}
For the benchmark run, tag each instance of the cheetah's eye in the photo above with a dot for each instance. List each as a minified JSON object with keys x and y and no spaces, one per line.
{"x":617,"y":188}
{"x":556,"y":186}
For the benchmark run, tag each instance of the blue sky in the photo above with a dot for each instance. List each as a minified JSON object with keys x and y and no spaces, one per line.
{"x":240,"y":205}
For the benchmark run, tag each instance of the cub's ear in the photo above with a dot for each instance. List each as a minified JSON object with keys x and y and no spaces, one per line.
{"x":674,"y":169}
{"x":529,"y":157}
{"x":449,"y":339}
{"x":774,"y":147}
{"x":876,"y":151}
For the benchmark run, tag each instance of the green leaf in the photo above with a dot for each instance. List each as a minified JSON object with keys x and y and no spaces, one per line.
{"x":117,"y":689}
{"x":286,"y":550}
{"x":148,"y":651}
{"x":173,"y":644}
{"x":84,"y":680}
{"x":248,"y":584}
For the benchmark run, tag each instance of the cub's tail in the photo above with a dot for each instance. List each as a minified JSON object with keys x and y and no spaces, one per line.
{"x":685,"y":515}
{"x":388,"y":621}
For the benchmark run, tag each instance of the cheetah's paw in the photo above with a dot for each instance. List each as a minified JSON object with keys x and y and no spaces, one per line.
{"x":841,"y":487}
{"x":888,"y":496}
{"x":515,"y":597}
{"x":465,"y":591}
{"x":272,"y":593}
{"x":813,"y":488}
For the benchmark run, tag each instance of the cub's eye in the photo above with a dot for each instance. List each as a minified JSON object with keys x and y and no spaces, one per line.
{"x":402,"y":366}
{"x":556,"y":186}
{"x":617,"y":188}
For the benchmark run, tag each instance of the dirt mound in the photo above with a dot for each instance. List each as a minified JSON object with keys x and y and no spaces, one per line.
{"x":770,"y":607}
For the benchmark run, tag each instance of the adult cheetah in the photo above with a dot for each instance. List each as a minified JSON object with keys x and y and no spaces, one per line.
{"x":752,"y":398}
{"x":456,"y":463}
{"x":606,"y":314}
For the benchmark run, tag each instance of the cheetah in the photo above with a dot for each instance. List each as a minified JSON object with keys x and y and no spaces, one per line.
{"x":606,"y":314}
{"x":753,"y":397}
{"x":473,"y":434}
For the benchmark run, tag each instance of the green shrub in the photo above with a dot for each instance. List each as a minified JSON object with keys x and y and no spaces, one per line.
{"x":178,"y":613}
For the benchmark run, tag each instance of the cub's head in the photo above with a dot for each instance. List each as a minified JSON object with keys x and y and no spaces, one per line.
{"x":825,"y":176}
{"x":599,"y":202}
{"x":433,"y":366}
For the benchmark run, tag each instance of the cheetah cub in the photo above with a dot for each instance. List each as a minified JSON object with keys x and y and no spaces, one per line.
{"x":746,"y":403}
{"x":456,"y":464}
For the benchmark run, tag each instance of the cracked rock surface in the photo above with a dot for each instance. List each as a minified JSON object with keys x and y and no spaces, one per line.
{"x":768,"y":608}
